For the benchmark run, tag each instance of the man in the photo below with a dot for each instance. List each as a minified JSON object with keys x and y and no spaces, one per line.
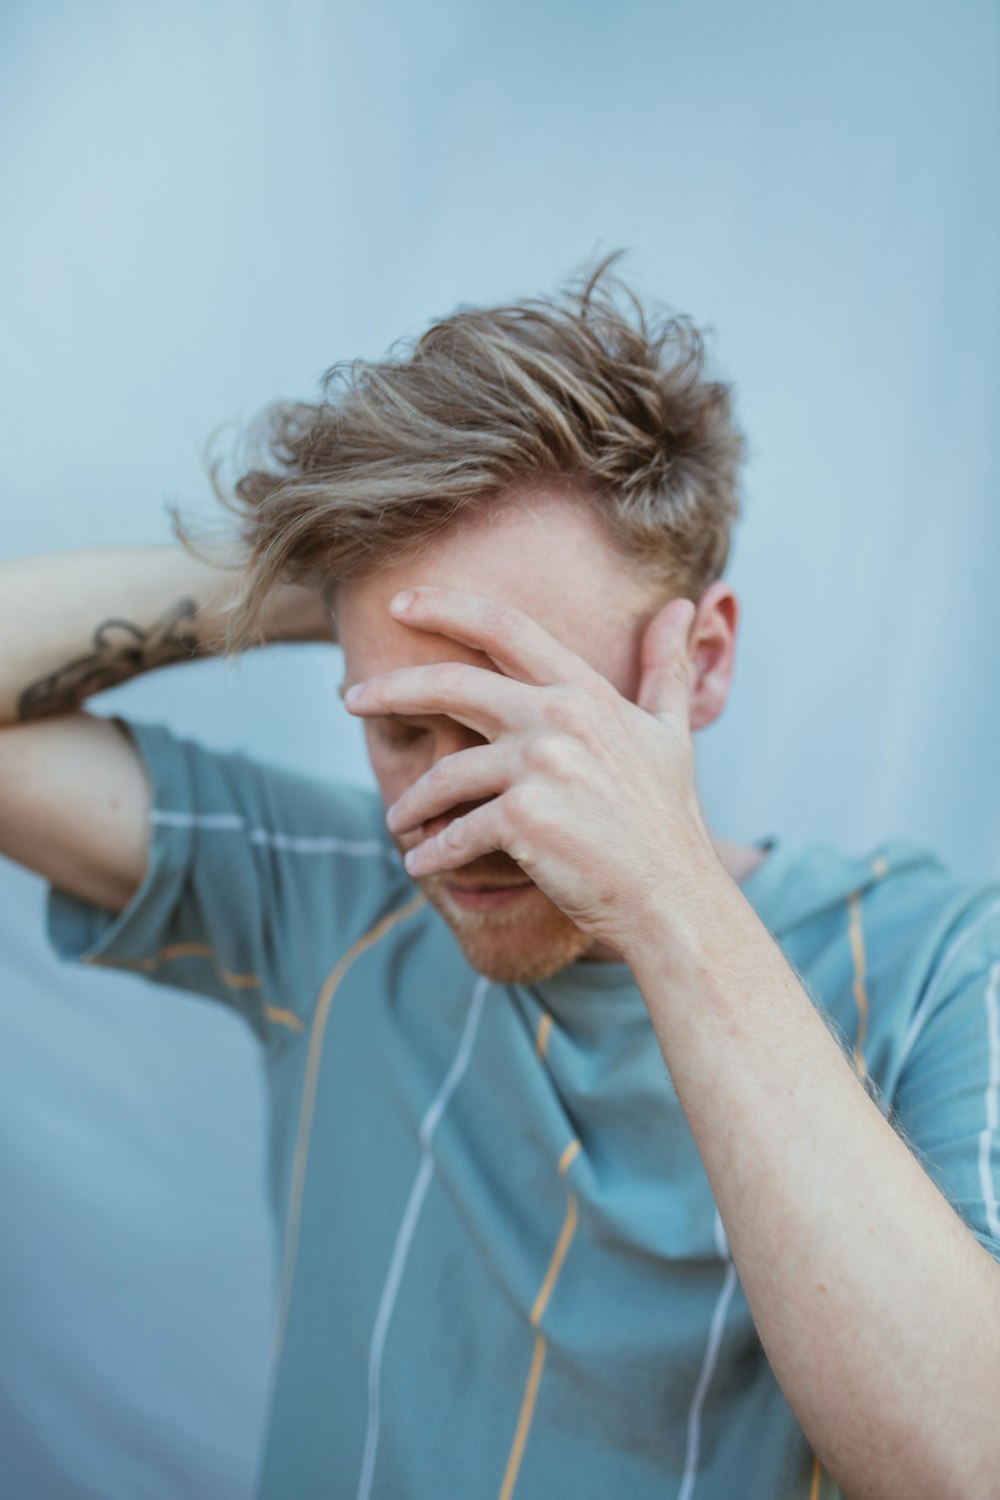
{"x":609,"y":1157}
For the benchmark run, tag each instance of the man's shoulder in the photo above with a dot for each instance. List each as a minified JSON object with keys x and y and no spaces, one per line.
{"x":909,"y":916}
{"x":185,"y":771}
{"x":319,"y":847}
{"x":896,"y":880}
{"x":911,"y":888}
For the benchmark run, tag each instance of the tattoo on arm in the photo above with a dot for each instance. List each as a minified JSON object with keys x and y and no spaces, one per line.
{"x":122,"y":650}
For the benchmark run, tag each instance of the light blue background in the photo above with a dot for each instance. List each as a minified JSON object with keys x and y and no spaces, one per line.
{"x":205,"y":205}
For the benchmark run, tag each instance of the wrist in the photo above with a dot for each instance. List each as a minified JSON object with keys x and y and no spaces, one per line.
{"x":686,"y":920}
{"x":294,"y":612}
{"x":288,"y":612}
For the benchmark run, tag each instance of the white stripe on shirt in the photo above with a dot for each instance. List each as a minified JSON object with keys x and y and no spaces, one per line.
{"x":404,"y":1237}
{"x":294,"y":843}
{"x":708,"y":1364}
{"x":920,"y":1014}
{"x":992,"y":1102}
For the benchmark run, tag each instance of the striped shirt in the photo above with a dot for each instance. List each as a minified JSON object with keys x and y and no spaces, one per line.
{"x":503,"y":1272}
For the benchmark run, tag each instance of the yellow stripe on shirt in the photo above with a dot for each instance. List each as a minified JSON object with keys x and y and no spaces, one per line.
{"x":528,"y":1400}
{"x":300,"y":1159}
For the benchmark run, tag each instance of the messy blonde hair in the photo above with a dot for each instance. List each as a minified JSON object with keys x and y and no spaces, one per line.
{"x":567,"y":388}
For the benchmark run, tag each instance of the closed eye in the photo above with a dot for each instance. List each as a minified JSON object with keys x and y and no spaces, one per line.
{"x":396,"y":733}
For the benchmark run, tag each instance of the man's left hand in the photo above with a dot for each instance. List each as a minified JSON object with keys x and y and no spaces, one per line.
{"x":592,"y":795}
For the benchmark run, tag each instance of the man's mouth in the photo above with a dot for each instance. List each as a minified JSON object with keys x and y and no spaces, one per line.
{"x":486,"y":885}
{"x":479,"y":897}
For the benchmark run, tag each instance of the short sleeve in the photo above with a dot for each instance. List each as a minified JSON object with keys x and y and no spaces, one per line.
{"x":258,"y":879}
{"x":947,"y":1102}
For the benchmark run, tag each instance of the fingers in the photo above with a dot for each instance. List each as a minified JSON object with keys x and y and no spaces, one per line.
{"x":520,"y":646}
{"x":666,"y":666}
{"x":481,"y":771}
{"x":528,"y":659}
{"x":483,"y":700}
{"x":465,"y":839}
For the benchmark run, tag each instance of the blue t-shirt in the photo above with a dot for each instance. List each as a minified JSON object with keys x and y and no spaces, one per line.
{"x":503,"y":1272}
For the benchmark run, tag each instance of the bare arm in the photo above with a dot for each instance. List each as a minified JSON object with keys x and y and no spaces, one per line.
{"x":878,"y":1309}
{"x":74,"y":802}
{"x":74,"y":623}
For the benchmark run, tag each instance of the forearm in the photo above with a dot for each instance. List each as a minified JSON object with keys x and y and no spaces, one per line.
{"x":73,"y":623}
{"x":877,"y":1308}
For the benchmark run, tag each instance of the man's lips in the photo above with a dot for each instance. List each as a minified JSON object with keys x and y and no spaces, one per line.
{"x":483,"y":897}
{"x":509,"y":885}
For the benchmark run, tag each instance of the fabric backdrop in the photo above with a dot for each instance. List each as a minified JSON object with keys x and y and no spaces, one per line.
{"x":206,"y":205}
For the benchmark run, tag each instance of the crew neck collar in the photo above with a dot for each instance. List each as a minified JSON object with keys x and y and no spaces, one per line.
{"x":588,"y":992}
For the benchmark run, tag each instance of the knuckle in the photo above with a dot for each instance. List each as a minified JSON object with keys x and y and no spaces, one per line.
{"x":441,"y":776}
{"x":453,"y":833}
{"x":518,"y":804}
{"x":526,"y":804}
{"x":448,"y":677}
{"x":524,"y":821}
{"x":562,"y":709}
{"x":501,"y":621}
{"x":570,"y":708}
{"x":547,"y":752}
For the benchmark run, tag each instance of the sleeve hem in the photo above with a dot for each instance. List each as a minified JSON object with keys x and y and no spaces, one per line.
{"x":79,"y":931}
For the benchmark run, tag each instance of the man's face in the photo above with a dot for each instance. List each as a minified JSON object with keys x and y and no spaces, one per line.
{"x":545,"y":553}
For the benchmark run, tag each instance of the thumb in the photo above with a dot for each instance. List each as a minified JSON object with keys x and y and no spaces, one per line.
{"x":665,"y":667}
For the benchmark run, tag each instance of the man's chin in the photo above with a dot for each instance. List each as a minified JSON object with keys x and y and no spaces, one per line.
{"x":522,"y":942}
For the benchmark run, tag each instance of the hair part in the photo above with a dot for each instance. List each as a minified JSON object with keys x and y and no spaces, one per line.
{"x":605,"y":401}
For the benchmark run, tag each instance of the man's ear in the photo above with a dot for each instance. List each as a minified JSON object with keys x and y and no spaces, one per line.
{"x":712,"y":646}
{"x":709,"y":647}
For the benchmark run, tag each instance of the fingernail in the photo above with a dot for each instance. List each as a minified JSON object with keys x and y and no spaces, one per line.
{"x":401,"y":601}
{"x":354,"y":693}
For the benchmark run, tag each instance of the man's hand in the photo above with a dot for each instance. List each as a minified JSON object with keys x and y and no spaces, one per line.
{"x":592,"y":795}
